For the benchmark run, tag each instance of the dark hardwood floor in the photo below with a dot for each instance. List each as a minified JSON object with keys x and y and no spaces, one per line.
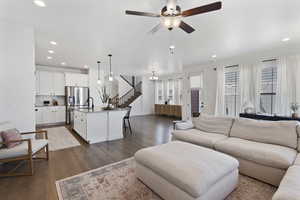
{"x":147,"y":131}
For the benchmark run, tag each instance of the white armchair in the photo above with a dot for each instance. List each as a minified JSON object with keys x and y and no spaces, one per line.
{"x":32,"y":143}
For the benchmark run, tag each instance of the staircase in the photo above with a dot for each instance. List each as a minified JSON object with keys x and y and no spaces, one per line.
{"x":132,"y":94}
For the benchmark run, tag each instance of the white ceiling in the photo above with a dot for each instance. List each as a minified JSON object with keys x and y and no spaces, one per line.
{"x":88,"y":30}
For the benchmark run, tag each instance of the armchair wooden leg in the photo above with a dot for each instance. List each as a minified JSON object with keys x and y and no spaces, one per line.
{"x":30,"y":163}
{"x":47,"y":152}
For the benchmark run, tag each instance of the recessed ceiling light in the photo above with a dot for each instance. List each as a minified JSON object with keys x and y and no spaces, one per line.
{"x":286,"y":39}
{"x":86,"y":66}
{"x":39,"y":3}
{"x":172,"y":47}
{"x":214,"y":56}
{"x":53,"y":42}
{"x":63,"y":63}
{"x":51,"y":51}
{"x":49,"y":57}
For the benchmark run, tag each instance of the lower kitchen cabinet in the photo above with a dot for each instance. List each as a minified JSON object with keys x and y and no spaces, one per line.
{"x":50,"y":115}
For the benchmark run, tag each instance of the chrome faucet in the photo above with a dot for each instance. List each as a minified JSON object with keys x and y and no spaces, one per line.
{"x":92,"y":102}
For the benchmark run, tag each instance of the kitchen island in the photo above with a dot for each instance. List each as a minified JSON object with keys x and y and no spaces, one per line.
{"x":99,"y":125}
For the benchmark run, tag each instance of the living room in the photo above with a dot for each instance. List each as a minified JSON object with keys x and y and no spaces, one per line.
{"x":150,"y":100}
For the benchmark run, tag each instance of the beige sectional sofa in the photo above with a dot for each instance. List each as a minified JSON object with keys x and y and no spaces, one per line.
{"x":266,"y":150}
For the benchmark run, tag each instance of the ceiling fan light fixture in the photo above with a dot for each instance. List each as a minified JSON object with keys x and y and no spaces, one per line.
{"x":168,"y":22}
{"x":39,"y":3}
{"x":176,"y":21}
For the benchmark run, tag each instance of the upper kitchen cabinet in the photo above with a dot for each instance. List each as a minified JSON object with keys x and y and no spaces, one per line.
{"x":59,"y":84}
{"x":50,"y":83}
{"x":80,"y":80}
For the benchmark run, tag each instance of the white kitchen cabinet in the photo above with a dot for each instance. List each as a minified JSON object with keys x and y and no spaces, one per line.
{"x":99,"y":125}
{"x":80,"y":124}
{"x":38,"y":116}
{"x":50,"y":115}
{"x":50,"y":83}
{"x":37,"y":82}
{"x":80,"y":80}
{"x":45,"y":83}
{"x":60,"y":114}
{"x":59,"y":84}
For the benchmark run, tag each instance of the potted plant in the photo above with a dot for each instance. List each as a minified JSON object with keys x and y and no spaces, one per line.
{"x":294,"y":107}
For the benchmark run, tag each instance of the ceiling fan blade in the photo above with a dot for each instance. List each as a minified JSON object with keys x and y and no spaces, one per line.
{"x":202,"y":9}
{"x":156,"y":28}
{"x":187,"y":28}
{"x":145,"y":14}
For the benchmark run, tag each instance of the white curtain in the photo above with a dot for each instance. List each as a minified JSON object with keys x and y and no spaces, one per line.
{"x":250,"y":78}
{"x":282,"y":94}
{"x":246,"y":86}
{"x":220,"y":100}
{"x":292,"y":85}
{"x":257,"y":69}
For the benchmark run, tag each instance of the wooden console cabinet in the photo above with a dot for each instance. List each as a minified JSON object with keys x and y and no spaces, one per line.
{"x":168,"y":110}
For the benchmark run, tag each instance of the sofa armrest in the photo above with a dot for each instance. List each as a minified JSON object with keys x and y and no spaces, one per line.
{"x":39,"y":132}
{"x":183,"y":125}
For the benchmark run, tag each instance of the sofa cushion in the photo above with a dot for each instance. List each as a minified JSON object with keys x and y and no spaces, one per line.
{"x":212,"y":124}
{"x":22,"y":149}
{"x":280,"y":132}
{"x":198,"y":137}
{"x":289,"y":188}
{"x":265,"y":154}
{"x":297,"y":161}
{"x":191,"y":168}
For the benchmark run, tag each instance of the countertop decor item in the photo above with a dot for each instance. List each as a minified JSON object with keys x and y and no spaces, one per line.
{"x":104,"y":96}
{"x":294,"y":107}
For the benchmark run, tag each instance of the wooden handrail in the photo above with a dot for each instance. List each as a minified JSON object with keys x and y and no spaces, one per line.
{"x":131,"y":93}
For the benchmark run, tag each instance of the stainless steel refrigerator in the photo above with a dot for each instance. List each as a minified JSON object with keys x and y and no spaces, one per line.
{"x":76,"y":97}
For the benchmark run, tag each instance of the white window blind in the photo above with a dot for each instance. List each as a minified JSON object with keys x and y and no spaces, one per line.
{"x":268,"y":87}
{"x":232,"y":90}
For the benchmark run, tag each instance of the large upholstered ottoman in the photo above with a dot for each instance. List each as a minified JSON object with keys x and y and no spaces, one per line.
{"x":183,"y":171}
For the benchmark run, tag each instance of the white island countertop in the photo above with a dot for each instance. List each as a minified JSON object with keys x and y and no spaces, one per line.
{"x":98,"y":110}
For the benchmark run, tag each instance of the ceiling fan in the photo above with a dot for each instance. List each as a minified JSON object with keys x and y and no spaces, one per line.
{"x":171,"y":15}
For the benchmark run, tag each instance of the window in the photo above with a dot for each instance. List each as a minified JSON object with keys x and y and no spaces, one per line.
{"x":170,"y":91}
{"x":268,"y":87}
{"x":159,"y":92}
{"x":232,"y":93}
{"x":178,"y":91}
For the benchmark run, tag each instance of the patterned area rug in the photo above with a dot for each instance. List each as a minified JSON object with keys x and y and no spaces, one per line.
{"x":61,"y":138}
{"x":118,"y":182}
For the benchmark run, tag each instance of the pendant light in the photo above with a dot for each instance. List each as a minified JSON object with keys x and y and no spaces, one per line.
{"x":110,"y":77}
{"x":99,"y":80}
{"x":153,"y":77}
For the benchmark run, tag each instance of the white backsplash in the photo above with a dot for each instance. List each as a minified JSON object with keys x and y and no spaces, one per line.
{"x":40,"y":98}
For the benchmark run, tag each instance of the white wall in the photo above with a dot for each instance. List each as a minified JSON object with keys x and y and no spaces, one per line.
{"x":144,"y":105}
{"x":17,"y":80}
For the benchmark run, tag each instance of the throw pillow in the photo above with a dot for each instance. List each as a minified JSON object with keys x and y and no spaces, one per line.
{"x":11,"y":135}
